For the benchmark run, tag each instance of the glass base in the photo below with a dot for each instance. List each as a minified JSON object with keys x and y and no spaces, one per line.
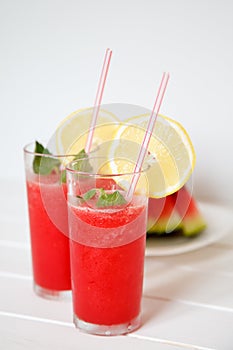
{"x":99,"y":329}
{"x":52,"y":294}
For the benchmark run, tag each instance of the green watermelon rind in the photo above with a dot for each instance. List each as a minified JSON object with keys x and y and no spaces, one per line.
{"x":164,"y":226}
{"x":193,"y":226}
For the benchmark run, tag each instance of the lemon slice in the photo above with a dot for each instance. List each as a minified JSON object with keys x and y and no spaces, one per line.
{"x":71,"y":134}
{"x":171,"y":156}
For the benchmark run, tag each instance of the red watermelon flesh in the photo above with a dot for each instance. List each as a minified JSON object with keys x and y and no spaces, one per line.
{"x":178,"y":211}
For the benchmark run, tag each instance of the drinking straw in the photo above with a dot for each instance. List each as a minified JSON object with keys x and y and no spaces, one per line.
{"x":148,"y":133}
{"x":98,"y":99}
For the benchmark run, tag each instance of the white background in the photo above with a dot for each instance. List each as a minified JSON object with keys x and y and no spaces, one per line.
{"x":51,"y":53}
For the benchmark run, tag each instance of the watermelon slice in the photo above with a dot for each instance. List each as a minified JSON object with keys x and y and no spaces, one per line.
{"x":162,"y":218}
{"x":178,"y":211}
{"x":192,"y":221}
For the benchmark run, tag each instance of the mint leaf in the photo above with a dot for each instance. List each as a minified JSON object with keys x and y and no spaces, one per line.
{"x":83,"y":163}
{"x":89,"y":194}
{"x":81,"y":154}
{"x":39,"y":148}
{"x":104,"y":199}
{"x":80,"y":198}
{"x":110,"y":199}
{"x":44,"y":165}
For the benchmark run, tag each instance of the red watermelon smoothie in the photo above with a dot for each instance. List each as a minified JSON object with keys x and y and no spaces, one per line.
{"x":107,"y":245}
{"x":48,"y":219}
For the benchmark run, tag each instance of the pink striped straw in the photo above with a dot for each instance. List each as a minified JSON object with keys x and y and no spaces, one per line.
{"x":148,"y":133}
{"x":98,"y":99}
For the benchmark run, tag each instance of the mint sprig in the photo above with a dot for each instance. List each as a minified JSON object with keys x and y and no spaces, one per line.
{"x":104,"y":199}
{"x":44,"y":165}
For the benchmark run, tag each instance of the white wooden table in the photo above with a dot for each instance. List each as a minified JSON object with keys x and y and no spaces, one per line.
{"x":187,"y":299}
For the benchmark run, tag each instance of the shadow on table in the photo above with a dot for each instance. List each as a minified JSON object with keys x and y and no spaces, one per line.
{"x":182,"y":278}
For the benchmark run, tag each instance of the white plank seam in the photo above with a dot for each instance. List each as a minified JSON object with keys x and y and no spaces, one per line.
{"x":191,"y":303}
{"x":37,"y":319}
{"x":71,"y":325}
{"x":203,"y":270}
{"x":169,"y":342}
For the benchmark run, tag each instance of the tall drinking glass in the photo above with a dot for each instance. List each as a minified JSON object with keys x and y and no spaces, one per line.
{"x":107,"y":244}
{"x":48,"y":218}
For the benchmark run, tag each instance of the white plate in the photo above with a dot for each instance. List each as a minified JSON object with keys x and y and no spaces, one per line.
{"x":219,"y":222}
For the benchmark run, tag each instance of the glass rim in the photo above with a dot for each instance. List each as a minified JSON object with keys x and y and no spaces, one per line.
{"x":27,"y":151}
{"x":97,"y":174}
